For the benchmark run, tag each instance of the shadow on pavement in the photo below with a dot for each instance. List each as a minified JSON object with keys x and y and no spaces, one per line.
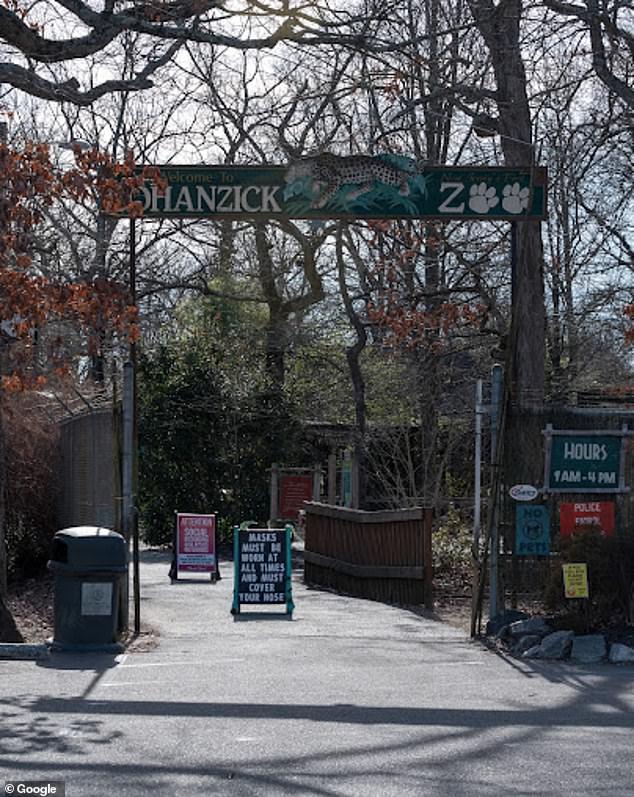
{"x":562,"y":716}
{"x":245,"y":617}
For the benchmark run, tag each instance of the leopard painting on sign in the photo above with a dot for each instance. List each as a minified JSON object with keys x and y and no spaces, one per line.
{"x":330,"y":173}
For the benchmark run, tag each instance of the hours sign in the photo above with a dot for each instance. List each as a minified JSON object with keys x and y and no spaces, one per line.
{"x":584,"y":462}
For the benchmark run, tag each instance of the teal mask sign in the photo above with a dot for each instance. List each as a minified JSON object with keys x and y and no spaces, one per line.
{"x":347,"y":187}
{"x":262,"y":565}
{"x":532,"y":531}
{"x":585,"y":463}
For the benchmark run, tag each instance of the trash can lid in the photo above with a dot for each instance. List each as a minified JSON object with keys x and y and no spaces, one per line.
{"x":88,"y":547}
{"x":88,"y":531}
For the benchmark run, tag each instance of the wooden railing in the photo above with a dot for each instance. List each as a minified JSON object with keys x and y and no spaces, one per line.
{"x":384,"y":556}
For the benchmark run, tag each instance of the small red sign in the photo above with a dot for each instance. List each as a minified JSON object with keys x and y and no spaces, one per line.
{"x":294,"y":490}
{"x":196,"y":551}
{"x":574,"y":518}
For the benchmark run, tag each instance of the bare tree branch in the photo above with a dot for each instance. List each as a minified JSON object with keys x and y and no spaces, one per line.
{"x":602,"y":24}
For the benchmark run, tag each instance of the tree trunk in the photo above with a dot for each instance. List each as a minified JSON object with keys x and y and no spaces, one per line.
{"x":499,"y":25}
{"x":522,"y":458}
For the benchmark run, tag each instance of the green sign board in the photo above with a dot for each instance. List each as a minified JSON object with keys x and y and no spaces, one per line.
{"x":354,"y":187}
{"x":588,"y":463}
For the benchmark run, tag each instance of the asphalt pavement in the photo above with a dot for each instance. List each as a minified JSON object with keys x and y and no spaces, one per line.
{"x":350,"y":697}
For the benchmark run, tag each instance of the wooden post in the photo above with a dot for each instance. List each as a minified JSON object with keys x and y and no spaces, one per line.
{"x":317,"y":482}
{"x":428,"y":565}
{"x":346,"y":480}
{"x":332,"y":478}
{"x":273,"y":506}
{"x":355,"y":480}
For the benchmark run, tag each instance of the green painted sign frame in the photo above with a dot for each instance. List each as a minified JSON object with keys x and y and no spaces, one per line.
{"x":287,"y":573}
{"x":585,"y":461}
{"x":351,"y":188}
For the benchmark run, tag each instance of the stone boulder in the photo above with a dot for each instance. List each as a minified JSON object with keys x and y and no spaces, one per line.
{"x":533,"y":625}
{"x":553,"y":646}
{"x":526,"y":642}
{"x":500,"y":621}
{"x":621,"y":654}
{"x":588,"y":649}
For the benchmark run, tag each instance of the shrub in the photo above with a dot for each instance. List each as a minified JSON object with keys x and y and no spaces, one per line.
{"x":451,"y":549}
{"x":610,"y":562}
{"x":31,"y":440}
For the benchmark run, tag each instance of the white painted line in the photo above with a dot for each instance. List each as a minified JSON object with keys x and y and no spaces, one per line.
{"x":132,"y":683}
{"x":155,"y":664}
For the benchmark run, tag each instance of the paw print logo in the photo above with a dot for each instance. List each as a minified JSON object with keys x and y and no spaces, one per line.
{"x":515,"y":199}
{"x":482,"y":198}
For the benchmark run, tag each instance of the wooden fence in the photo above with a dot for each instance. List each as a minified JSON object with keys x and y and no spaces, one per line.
{"x":383,"y":556}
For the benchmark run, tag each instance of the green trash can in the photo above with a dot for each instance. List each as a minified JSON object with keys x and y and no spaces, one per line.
{"x":89,"y":564}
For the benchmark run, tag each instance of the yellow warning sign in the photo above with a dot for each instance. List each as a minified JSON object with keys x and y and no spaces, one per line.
{"x":576,"y":580}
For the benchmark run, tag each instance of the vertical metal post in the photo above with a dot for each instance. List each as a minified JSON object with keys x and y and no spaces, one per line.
{"x":495,"y":603}
{"x":288,"y":577}
{"x":127,"y":466}
{"x":514,"y":231}
{"x":136,"y":579}
{"x":235,"y":607}
{"x":477,"y":481}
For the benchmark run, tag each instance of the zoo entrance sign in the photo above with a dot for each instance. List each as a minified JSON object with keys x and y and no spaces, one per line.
{"x":354,"y":187}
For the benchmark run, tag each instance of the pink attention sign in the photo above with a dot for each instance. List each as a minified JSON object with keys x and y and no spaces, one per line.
{"x":196,"y":543}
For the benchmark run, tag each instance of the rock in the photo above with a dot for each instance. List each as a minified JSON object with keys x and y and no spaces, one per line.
{"x":621,"y":654}
{"x":534,"y":625}
{"x":554,"y":646}
{"x":503,"y":633}
{"x":588,"y":649}
{"x":525,"y":643}
{"x":532,"y":653}
{"x":506,"y":618}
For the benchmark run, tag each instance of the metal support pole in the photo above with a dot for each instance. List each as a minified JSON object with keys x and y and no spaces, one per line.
{"x":133,"y":527}
{"x":127,"y":467}
{"x":495,"y":599}
{"x":477,"y":486}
